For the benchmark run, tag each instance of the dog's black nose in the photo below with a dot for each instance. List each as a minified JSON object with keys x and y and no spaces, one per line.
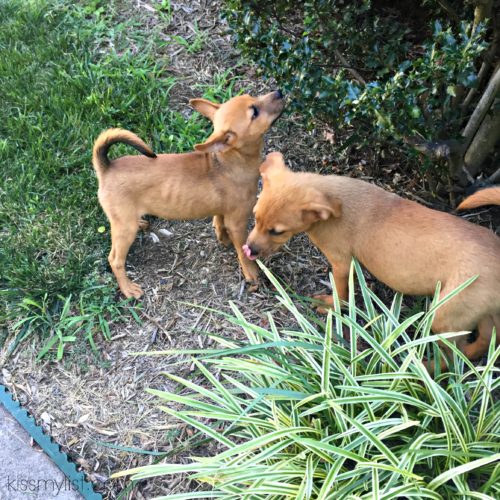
{"x":278,"y":94}
{"x":253,"y":251}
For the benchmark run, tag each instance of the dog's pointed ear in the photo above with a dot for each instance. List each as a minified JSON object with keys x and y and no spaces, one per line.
{"x":205,"y":107}
{"x":218,"y":142}
{"x":274,"y":161}
{"x":321,"y":209}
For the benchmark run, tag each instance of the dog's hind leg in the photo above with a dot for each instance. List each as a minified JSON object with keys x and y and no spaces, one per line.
{"x":452,"y":317}
{"x":122,"y":237}
{"x":447,"y":320}
{"x":476,"y":349}
{"x":220,"y":230}
{"x":236,"y":226}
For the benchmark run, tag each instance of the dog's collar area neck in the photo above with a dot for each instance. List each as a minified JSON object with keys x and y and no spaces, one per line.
{"x":234,"y":159}
{"x":221,"y":160}
{"x":215,"y":161}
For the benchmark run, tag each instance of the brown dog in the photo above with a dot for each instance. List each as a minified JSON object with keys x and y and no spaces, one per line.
{"x":219,"y":179}
{"x":405,"y":245}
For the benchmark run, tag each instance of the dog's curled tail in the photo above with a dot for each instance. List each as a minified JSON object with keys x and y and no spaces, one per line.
{"x":488,"y":196}
{"x":111,"y":136}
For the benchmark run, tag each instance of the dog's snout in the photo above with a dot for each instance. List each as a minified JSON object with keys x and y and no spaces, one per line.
{"x":278,"y":94}
{"x":254,"y":251}
{"x":251,"y":251}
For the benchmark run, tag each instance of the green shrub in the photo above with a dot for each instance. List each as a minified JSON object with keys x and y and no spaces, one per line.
{"x":382,"y":73}
{"x":299,"y":413}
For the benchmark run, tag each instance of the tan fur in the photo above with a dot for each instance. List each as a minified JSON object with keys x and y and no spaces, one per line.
{"x":488,"y":196}
{"x":109,"y":137}
{"x":219,"y":179}
{"x":405,"y":245}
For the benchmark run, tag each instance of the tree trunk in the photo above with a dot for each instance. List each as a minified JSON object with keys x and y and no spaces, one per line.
{"x":482,"y":107}
{"x":482,"y":11}
{"x":484,"y":141}
{"x":480,"y":134}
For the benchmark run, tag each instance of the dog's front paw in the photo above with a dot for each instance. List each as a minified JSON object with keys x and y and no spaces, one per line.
{"x":322,"y":303}
{"x":131,"y":289}
{"x":251,"y":273}
{"x":252,"y":286}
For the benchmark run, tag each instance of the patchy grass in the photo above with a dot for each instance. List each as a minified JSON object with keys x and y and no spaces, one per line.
{"x":68,"y":71}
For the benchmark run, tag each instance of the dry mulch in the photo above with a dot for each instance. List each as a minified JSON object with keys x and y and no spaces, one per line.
{"x":88,"y":403}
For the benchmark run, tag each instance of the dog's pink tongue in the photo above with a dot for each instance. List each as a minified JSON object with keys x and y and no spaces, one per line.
{"x":248,"y":252}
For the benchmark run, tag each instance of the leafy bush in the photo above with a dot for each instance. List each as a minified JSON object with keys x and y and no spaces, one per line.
{"x":381,"y":72}
{"x":300,"y":413}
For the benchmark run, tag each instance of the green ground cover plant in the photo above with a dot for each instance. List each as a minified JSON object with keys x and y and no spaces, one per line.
{"x":69,"y":70}
{"x":300,"y":413}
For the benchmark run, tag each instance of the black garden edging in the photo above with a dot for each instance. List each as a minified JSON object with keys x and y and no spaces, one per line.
{"x":51,"y":448}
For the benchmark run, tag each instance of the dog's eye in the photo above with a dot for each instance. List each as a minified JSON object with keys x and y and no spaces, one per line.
{"x":255,"y":112}
{"x":273,"y":232}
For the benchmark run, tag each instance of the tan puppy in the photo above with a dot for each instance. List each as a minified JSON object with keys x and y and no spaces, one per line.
{"x":219,"y":179}
{"x":405,"y":245}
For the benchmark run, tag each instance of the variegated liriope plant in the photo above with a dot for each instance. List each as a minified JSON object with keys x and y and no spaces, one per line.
{"x":300,"y":413}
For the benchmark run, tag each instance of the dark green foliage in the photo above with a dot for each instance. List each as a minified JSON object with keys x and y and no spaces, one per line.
{"x":375,"y":69}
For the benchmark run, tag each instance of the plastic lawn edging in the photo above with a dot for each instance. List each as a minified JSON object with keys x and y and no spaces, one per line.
{"x":51,"y":448}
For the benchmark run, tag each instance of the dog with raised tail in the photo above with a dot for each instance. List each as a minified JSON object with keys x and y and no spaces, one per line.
{"x":405,"y":245}
{"x":218,"y":179}
{"x":487,"y":196}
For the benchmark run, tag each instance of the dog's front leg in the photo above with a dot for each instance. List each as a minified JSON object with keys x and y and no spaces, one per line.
{"x":236,"y":227}
{"x":341,"y":279}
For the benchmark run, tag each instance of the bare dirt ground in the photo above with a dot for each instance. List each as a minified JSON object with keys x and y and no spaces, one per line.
{"x":90,"y":405}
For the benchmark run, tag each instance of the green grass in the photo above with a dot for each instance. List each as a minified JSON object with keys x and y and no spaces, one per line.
{"x":67,"y":71}
{"x":298,"y":413}
{"x":195,"y":43}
